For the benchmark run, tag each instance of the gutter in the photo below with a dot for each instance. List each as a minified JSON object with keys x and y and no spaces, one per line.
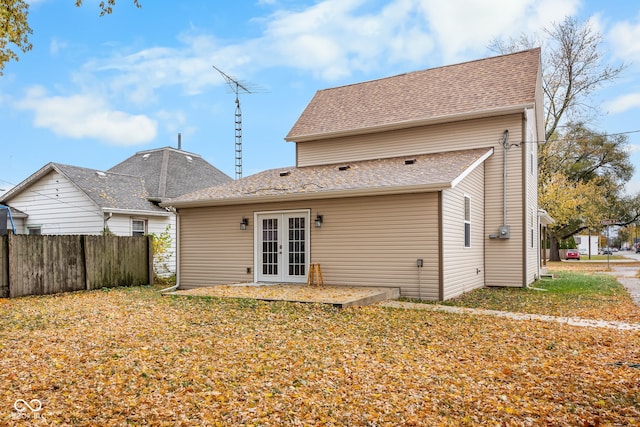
{"x":177,"y":285}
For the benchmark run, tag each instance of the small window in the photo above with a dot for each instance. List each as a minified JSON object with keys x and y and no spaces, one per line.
{"x":467,"y":222}
{"x":36,"y":230}
{"x":138,"y":227}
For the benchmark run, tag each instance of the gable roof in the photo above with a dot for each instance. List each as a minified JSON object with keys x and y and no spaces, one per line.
{"x":478,"y":88}
{"x":109,"y":191}
{"x":169,"y":172}
{"x":408,"y":174}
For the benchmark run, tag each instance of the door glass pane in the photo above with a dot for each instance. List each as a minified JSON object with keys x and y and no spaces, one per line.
{"x":296,"y":247}
{"x":270,"y":246}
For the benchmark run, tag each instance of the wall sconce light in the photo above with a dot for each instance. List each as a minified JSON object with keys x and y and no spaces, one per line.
{"x":244,"y":223}
{"x":318,"y":220}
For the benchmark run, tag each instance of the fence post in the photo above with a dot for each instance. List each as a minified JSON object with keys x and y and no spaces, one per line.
{"x":150,"y":259}
{"x":4,"y":266}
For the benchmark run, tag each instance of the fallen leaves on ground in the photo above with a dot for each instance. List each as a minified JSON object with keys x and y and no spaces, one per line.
{"x":131,"y":357}
{"x":282,"y":292}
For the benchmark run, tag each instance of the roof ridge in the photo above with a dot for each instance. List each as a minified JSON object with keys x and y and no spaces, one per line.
{"x":439,"y":67}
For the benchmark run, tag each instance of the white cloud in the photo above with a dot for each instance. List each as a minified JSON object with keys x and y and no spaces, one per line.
{"x":623,"y":38}
{"x":463,"y":28}
{"x":624,"y":103}
{"x":56,"y":46}
{"x":87,"y":116}
{"x":331,"y":40}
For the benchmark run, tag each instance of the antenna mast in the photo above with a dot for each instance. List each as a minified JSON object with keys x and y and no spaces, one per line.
{"x":236,"y":87}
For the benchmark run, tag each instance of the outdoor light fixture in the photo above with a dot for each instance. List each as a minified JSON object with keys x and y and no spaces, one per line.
{"x":244,"y":223}
{"x":318,"y":220}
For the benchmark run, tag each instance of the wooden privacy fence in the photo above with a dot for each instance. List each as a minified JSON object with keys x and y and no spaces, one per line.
{"x":39,"y":265}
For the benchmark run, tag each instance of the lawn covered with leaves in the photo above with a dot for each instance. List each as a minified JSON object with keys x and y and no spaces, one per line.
{"x":129,"y":356}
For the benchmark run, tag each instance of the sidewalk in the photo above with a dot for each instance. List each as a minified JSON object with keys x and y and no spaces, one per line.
{"x":573,"y":321}
{"x":627,"y":278}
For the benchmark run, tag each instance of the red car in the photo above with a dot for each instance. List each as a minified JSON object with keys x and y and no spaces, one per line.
{"x":573,"y":254}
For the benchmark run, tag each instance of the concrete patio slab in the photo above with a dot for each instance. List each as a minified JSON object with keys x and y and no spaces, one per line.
{"x":339,"y":296}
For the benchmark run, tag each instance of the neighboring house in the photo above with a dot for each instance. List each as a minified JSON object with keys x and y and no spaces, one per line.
{"x":587,"y":244}
{"x":425,"y":181}
{"x":63,"y":199}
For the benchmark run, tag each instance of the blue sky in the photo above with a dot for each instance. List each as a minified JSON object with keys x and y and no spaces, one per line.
{"x":95,"y":90}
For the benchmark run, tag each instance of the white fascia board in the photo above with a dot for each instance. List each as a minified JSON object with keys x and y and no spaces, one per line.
{"x":470,"y":169}
{"x":136,"y":212}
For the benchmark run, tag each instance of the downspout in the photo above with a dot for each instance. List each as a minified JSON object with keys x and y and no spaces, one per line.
{"x":177,"y":285}
{"x":505,"y":140}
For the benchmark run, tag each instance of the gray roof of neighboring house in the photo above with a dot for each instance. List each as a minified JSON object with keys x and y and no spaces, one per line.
{"x":137,"y":182}
{"x":426,"y":172}
{"x":482,"y":87}
{"x":169,"y":172}
{"x":109,"y":191}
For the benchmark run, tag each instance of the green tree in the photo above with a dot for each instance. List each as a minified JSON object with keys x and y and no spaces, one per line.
{"x":15,"y":29}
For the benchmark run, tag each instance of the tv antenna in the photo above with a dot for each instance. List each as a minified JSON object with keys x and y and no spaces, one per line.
{"x":237,"y":87}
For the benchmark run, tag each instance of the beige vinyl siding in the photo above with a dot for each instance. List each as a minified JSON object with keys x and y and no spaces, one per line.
{"x":463,"y":268}
{"x":213,"y":250}
{"x":505,"y":258}
{"x":363,"y":241}
{"x":462,"y":135}
{"x":59,"y":207}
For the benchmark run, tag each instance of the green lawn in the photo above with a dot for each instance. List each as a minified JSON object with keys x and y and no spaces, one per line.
{"x":570,"y":294}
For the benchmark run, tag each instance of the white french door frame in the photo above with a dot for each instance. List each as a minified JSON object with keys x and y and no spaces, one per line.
{"x":278,"y":265}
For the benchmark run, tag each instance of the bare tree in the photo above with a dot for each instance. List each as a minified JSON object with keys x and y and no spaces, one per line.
{"x":572,"y":69}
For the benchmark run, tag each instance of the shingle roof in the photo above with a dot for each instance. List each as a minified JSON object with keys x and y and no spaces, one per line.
{"x":110,"y":190}
{"x":169,"y":172}
{"x":427,"y":172}
{"x":484,"y":85}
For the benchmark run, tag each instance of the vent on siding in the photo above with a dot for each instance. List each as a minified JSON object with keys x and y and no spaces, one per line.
{"x":409,"y":161}
{"x":344,"y":167}
{"x":285,"y":173}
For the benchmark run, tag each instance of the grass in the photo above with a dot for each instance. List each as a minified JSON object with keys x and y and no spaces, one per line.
{"x":577,"y":290}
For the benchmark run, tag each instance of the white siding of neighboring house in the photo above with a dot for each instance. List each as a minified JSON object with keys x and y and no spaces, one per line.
{"x":58,"y":206}
{"x":506,"y":261}
{"x":582,"y":242}
{"x":463,"y":268}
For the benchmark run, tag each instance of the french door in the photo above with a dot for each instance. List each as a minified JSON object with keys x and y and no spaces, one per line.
{"x":282,"y":246}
